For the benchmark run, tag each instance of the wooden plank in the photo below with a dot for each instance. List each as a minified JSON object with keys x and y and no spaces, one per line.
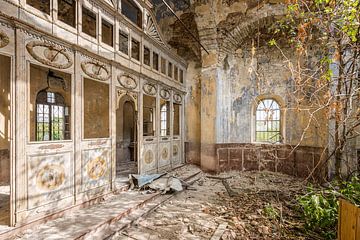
{"x":348,"y":221}
{"x":358,"y":224}
{"x":219,"y":231}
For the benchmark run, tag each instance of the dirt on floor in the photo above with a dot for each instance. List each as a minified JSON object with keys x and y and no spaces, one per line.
{"x":233,"y":205}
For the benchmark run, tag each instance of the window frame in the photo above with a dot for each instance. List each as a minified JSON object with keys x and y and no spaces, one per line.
{"x":124,"y":33}
{"x":157,"y":69}
{"x":150,"y":55}
{"x":106,"y":22}
{"x":140,"y":17}
{"x":83,"y":6}
{"x":75,"y":15}
{"x":45,"y":14}
{"x":66,"y":134}
{"x":278,"y":110}
{"x":133,"y":39}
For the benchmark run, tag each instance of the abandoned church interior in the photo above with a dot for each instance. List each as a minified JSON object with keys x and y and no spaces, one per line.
{"x":94,"y":90}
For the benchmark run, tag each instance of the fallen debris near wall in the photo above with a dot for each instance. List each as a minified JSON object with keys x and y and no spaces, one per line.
{"x":250,"y":205}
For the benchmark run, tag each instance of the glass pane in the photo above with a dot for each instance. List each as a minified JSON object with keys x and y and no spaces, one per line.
{"x":146,"y":56}
{"x":149,"y":110}
{"x":170,"y":69}
{"x":42,"y":5}
{"x":66,"y":11}
{"x":181,"y":76}
{"x":107,"y":32}
{"x":176,"y":73}
{"x":165,"y":118}
{"x":176,"y":119}
{"x":123,"y":42}
{"x":135,"y":49}
{"x":88,"y":22}
{"x":156,"y":61}
{"x":132,"y":12}
{"x":163,"y":66}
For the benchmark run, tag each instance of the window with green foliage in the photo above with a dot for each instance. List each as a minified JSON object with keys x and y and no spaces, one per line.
{"x":51,"y":117}
{"x":268,"y":121}
{"x":164,"y":118}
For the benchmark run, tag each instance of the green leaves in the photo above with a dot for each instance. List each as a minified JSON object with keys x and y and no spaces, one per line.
{"x":320,"y":207}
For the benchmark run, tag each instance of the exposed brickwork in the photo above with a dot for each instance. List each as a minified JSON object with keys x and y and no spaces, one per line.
{"x":276,"y":158}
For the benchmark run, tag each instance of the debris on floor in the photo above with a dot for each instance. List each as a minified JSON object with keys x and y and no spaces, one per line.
{"x":233,"y":205}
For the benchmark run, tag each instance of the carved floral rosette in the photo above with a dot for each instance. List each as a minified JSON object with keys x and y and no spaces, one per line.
{"x":50,"y":177}
{"x":49,"y":54}
{"x":150,"y":89}
{"x":96,"y":168}
{"x":149,"y":157}
{"x":165,"y":94}
{"x":127,"y":81}
{"x":4,"y":39}
{"x":165,"y":153}
{"x":175,"y":150}
{"x":96,"y":70}
{"x":177,"y":98}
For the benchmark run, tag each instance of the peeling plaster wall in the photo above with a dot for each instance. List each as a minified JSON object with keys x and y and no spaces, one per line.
{"x":253,"y":72}
{"x":224,"y":83}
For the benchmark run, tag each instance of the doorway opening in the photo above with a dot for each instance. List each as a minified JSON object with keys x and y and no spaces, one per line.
{"x":126,"y":138}
{"x":5,"y":100}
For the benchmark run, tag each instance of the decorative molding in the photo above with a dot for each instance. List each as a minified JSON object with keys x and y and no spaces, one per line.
{"x":150,"y":89}
{"x":96,"y":70}
{"x":96,"y":168}
{"x":4,"y":39}
{"x":51,"y":147}
{"x":175,"y":151}
{"x":49,"y":54}
{"x":165,"y":94}
{"x":127,"y":81}
{"x":149,"y":157}
{"x":177,"y":98}
{"x":152,"y":31}
{"x":50,"y":177}
{"x":165,"y":153}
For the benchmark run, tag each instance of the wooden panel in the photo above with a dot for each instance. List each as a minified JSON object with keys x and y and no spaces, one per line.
{"x":96,"y":166}
{"x":349,"y":221}
{"x":164,"y":154}
{"x":176,"y":153}
{"x":149,"y":159}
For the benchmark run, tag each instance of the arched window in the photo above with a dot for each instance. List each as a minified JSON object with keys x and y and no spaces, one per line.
{"x":268,"y":121}
{"x":51,"y":113}
{"x":164,"y":120}
{"x":132,"y":12}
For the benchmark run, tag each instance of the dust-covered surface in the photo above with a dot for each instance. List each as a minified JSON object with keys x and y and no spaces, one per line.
{"x":262,"y":206}
{"x":4,"y":206}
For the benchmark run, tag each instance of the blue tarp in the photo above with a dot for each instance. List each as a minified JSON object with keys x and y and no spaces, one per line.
{"x":142,"y":180}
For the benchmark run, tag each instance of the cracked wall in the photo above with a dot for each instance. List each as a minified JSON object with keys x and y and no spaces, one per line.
{"x":224,"y":84}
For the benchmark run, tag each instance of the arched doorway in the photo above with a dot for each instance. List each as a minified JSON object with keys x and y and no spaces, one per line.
{"x":126,"y":138}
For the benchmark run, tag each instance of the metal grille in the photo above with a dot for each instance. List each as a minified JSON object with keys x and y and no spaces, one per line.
{"x":50,"y":116}
{"x":268,"y":121}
